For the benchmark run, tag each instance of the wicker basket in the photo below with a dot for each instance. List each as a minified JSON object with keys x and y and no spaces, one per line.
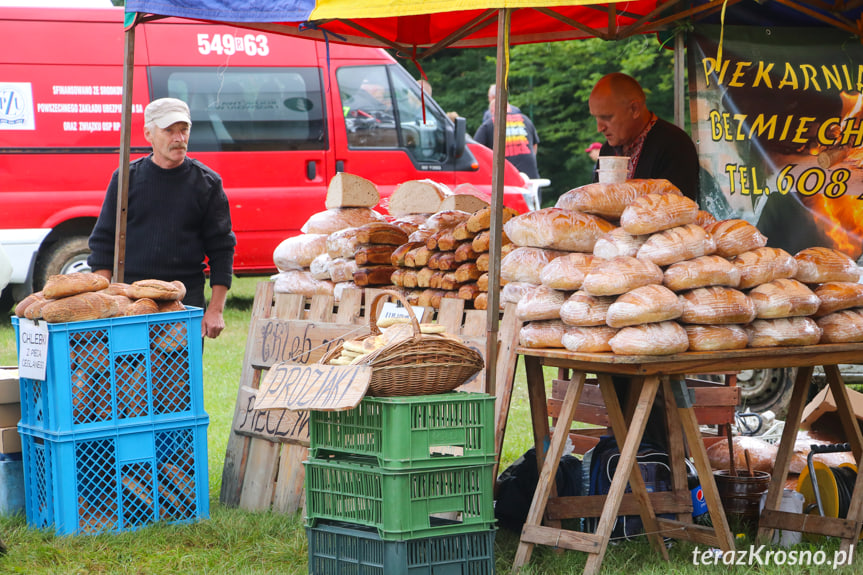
{"x":423,"y":364}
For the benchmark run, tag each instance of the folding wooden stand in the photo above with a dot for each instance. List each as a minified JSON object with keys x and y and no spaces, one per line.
{"x":647,"y":374}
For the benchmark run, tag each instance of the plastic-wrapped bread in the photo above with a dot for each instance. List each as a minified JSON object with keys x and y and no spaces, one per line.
{"x":663,"y":338}
{"x":734,"y":237}
{"x":445,"y":220}
{"x":336,"y":219}
{"x":676,"y":245}
{"x":646,"y":304}
{"x":845,"y":326}
{"x":298,"y":252}
{"x":609,"y":200}
{"x":557,"y":229}
{"x":301,"y":282}
{"x":763,"y":265}
{"x":783,"y":298}
{"x":566,"y":272}
{"x":783,"y":332}
{"x":836,"y":296}
{"x":540,"y":303}
{"x":716,"y":337}
{"x":656,"y":212}
{"x":513,"y":292}
{"x":525,"y":264}
{"x":342,"y":269}
{"x":592,"y":339}
{"x":542,"y":334}
{"x":320,"y":267}
{"x":481,"y":220}
{"x":618,"y":242}
{"x":820,"y":265}
{"x":716,"y":305}
{"x":704,"y":218}
{"x":620,"y":275}
{"x":583,"y":309}
{"x":701,"y":272}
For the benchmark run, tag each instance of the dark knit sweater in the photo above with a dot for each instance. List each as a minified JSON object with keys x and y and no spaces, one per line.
{"x":175,"y":219}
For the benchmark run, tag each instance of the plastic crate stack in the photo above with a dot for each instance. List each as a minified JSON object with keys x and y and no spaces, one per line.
{"x":402,"y":485}
{"x":115,"y":437}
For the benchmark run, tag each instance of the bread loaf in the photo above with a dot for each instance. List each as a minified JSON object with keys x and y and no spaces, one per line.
{"x":677,"y":244}
{"x":118,"y":288}
{"x":157,"y":290}
{"x":482,"y":282}
{"x":60,"y":286}
{"x":482,"y":242}
{"x":417,"y":197}
{"x":525,"y":264}
{"x":845,"y":326}
{"x":704,"y":219}
{"x":618,"y":242}
{"x":582,"y":309}
{"x":449,"y":282}
{"x":835,"y":296}
{"x":588,"y":339}
{"x":513,"y":292}
{"x":468,"y":291}
{"x":421,"y":235}
{"x":820,"y":265}
{"x":21,"y":308}
{"x":124,"y":302}
{"x":142,"y":306}
{"x":342,"y":244}
{"x":80,"y":307}
{"x":481,"y":220}
{"x":445,"y":220}
{"x":664,"y":338}
{"x":463,"y":202}
{"x":410,"y":223}
{"x":467,"y":272}
{"x":342,"y":269}
{"x":397,"y":277}
{"x":733,"y":237}
{"x":320,"y":267}
{"x":442,"y":261}
{"x":397,"y":258}
{"x":302,"y":283}
{"x":656,"y":212}
{"x":609,"y":200}
{"x":374,"y":254}
{"x":336,"y":219}
{"x":446,"y":241}
{"x":375,"y":275}
{"x":481,"y":301}
{"x":417,"y":257}
{"x":701,"y":272}
{"x":646,"y":304}
{"x":716,"y":305}
{"x":411,"y":278}
{"x":464,"y":253}
{"x":783,"y":332}
{"x":557,"y":229}
{"x":542,"y":334}
{"x":566,"y":272}
{"x":33,"y":310}
{"x":763,"y":265}
{"x":783,"y":298}
{"x":716,"y":337}
{"x":620,"y":275}
{"x":540,"y":303}
{"x":381,"y":233}
{"x":348,"y":191}
{"x":168,"y":306}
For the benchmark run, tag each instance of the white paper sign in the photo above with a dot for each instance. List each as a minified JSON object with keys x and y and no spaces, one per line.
{"x":391,"y":309}
{"x":32,"y":349}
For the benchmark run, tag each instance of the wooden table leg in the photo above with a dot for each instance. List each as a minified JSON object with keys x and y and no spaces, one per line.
{"x":538,"y":406}
{"x":549,"y":467}
{"x":786,"y":448}
{"x":636,"y":481}
{"x":676,"y":447}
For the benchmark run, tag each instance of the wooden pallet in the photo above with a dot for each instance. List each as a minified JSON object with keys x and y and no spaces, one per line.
{"x":263,"y":461}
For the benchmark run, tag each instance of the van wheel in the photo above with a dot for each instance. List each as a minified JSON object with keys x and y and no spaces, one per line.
{"x":764,"y":389}
{"x":66,"y":256}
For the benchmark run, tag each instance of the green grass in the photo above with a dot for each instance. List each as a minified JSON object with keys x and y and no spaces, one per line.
{"x":239,"y":542}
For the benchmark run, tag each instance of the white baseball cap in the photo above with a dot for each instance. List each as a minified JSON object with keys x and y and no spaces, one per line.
{"x":166,"y":111}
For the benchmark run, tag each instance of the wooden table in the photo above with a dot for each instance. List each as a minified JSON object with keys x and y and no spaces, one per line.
{"x":647,"y":374}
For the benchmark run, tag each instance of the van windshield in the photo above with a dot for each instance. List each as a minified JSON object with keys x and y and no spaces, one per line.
{"x":382,"y":109}
{"x":248,"y":109}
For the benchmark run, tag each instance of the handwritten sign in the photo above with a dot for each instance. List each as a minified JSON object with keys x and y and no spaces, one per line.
{"x":298,"y":342}
{"x":391,"y":309}
{"x":276,"y":425}
{"x":32,"y":349}
{"x":477,"y":382}
{"x":318,"y":387}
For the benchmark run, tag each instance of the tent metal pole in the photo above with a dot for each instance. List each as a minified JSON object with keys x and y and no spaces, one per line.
{"x":679,"y":88}
{"x":496,"y":228}
{"x":125,"y":150}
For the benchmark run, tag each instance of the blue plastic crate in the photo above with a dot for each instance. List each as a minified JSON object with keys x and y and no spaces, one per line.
{"x":346,"y":549}
{"x":98,"y":481}
{"x":118,"y":371}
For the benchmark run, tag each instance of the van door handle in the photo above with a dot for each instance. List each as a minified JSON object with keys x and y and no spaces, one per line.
{"x":340,"y":165}
{"x":310,"y":170}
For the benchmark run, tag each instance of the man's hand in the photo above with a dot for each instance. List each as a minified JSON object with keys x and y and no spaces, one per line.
{"x":213,"y":322}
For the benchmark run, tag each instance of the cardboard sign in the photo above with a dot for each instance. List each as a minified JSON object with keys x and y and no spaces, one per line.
{"x":392,"y":309}
{"x":319,"y":387}
{"x":32,"y":349}
{"x":276,"y":425}
{"x":296,"y":341}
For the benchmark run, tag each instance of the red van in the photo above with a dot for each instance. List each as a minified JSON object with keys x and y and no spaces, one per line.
{"x":276,"y":116}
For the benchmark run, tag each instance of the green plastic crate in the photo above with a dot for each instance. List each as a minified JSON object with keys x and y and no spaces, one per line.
{"x":412,"y":432}
{"x":346,"y":549}
{"x":400,"y":504}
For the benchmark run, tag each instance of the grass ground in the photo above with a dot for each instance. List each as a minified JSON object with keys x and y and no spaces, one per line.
{"x":233,"y":541}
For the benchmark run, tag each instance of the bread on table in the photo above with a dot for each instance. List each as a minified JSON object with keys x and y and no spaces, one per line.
{"x":704,"y":218}
{"x":446,"y":220}
{"x":733,"y":237}
{"x":302,"y":282}
{"x":716,"y":305}
{"x":583,"y":309}
{"x":525,"y":264}
{"x":701,"y":272}
{"x":513,"y":292}
{"x":663,"y":338}
{"x":646,"y":304}
{"x":783,"y":332}
{"x":557,"y":229}
{"x":844,"y":326}
{"x":342,"y":269}
{"x":374,"y":254}
{"x":836,"y":296}
{"x":481,"y":219}
{"x":417,"y":197}
{"x":381,"y":233}
{"x":656,"y":212}
{"x":349,"y":190}
{"x":320,"y":267}
{"x":336,"y":219}
{"x":539,"y":303}
{"x":716,"y":337}
{"x":542,"y":334}
{"x":463,"y":202}
{"x":566,"y":272}
{"x":593,"y":339}
{"x":610,"y":199}
{"x":763,"y":265}
{"x":783,"y":298}
{"x":620,"y":275}
{"x":618,"y":242}
{"x":677,"y":244}
{"x":819,"y":265}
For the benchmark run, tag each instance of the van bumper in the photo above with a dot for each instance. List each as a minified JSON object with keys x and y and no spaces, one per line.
{"x":22,"y":247}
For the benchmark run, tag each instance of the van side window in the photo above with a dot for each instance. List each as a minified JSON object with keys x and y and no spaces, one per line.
{"x":248,"y":109}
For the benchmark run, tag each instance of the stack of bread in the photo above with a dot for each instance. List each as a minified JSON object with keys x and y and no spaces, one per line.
{"x":89,"y":296}
{"x":669,"y":278}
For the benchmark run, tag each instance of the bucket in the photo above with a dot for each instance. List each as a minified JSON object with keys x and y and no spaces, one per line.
{"x":741,"y":495}
{"x":792,"y":502}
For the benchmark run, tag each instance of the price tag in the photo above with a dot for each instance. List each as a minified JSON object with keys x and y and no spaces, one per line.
{"x":391,"y":309}
{"x":32,"y":349}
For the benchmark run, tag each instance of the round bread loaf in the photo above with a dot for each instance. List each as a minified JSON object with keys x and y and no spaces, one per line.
{"x":65,"y":285}
{"x":156,"y":290}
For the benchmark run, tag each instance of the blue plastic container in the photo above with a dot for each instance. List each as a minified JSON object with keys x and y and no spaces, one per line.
{"x":117,"y":480}
{"x":116,"y":372}
{"x":11,"y":487}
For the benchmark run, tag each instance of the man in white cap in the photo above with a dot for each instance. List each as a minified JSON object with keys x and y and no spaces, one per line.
{"x":178,"y":217}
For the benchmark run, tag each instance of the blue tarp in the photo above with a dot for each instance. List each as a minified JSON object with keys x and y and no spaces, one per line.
{"x":227,"y":10}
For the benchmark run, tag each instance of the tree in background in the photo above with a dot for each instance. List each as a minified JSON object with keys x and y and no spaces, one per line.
{"x":551,"y":83}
